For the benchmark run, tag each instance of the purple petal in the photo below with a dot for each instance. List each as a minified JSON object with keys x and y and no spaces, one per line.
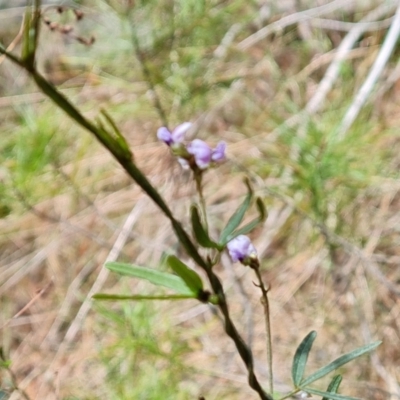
{"x":178,"y":133}
{"x":218,"y":153}
{"x":165,"y":135}
{"x":240,"y":248}
{"x":201,"y":151}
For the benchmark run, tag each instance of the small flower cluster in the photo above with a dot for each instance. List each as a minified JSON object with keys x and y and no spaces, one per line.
{"x":197,"y":154}
{"x":241,"y":249}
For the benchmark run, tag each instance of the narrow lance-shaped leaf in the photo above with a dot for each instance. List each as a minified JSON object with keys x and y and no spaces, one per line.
{"x":332,"y":396}
{"x":338,"y":362}
{"x":300,"y":358}
{"x":238,"y":215}
{"x":158,"y":278}
{"x":200,"y":232}
{"x":333,"y":386}
{"x":119,"y":137}
{"x":252,"y":224}
{"x":137,"y":297}
{"x":190,"y":277}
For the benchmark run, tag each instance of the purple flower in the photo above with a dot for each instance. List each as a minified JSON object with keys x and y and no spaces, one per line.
{"x":204,"y":155}
{"x":201,"y":151}
{"x":218,"y":154}
{"x":176,"y":136}
{"x":241,"y":249}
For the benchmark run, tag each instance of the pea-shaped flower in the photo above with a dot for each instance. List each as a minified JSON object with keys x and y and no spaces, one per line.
{"x":197,"y":154}
{"x":204,"y":154}
{"x":176,"y":136}
{"x":241,"y":249}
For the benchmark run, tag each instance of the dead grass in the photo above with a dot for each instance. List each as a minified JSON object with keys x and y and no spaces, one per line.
{"x":335,"y":270}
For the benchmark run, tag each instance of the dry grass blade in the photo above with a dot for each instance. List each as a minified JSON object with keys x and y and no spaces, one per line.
{"x":367,"y":87}
{"x":294,"y":19}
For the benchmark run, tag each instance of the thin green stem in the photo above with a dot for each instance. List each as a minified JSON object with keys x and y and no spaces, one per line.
{"x":230,"y":329}
{"x":199,"y":187}
{"x":265,"y":303}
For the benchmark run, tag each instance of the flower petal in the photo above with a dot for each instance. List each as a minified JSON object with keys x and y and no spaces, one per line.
{"x":165,"y":135}
{"x":178,"y":133}
{"x":240,"y":248}
{"x":218,"y":153}
{"x":201,"y":151}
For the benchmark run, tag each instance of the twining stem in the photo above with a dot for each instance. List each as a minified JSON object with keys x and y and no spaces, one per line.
{"x":230,"y":329}
{"x":265,"y":303}
{"x":198,"y":175}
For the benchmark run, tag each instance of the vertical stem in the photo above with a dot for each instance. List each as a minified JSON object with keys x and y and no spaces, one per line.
{"x":198,"y":178}
{"x":265,"y":303}
{"x":230,"y":329}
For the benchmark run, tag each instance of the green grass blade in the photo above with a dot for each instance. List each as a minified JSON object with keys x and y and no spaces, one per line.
{"x":335,"y":364}
{"x":237,"y":217}
{"x":333,"y":386}
{"x":200,"y":232}
{"x":121,"y":297}
{"x":332,"y":396}
{"x":190,"y":277}
{"x":158,"y":278}
{"x":300,"y":358}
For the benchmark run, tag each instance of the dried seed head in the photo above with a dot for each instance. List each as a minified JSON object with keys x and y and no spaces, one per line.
{"x":66,"y":29}
{"x":53,"y":26}
{"x":78,"y":14}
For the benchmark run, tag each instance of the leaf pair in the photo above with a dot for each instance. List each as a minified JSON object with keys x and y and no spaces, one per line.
{"x":186,"y":283}
{"x":300,"y":361}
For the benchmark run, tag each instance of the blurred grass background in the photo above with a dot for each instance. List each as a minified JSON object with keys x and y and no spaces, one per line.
{"x":249,"y":73}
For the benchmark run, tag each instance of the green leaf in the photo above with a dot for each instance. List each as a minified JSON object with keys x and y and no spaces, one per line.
{"x":190,"y":277}
{"x":332,"y":396}
{"x":333,"y":386}
{"x":158,"y":278}
{"x":121,"y":297}
{"x":200,"y":232}
{"x":300,"y":358}
{"x":118,"y":135}
{"x":252,"y":224}
{"x":237,"y":217}
{"x":338,"y":362}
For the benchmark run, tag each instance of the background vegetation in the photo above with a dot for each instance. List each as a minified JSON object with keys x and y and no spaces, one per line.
{"x":273,"y":79}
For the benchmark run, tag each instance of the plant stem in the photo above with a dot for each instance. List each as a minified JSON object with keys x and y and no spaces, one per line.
{"x":265,"y":303}
{"x":244,"y":351}
{"x":198,"y":179}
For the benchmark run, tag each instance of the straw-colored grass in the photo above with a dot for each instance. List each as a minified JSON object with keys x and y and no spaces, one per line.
{"x":274,"y":81}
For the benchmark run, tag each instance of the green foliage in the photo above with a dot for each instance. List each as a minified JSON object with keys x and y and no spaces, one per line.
{"x":188,"y":275}
{"x":300,"y":361}
{"x":154,"y":276}
{"x":301,"y":357}
{"x":200,"y":232}
{"x":144,"y":359}
{"x":333,"y":386}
